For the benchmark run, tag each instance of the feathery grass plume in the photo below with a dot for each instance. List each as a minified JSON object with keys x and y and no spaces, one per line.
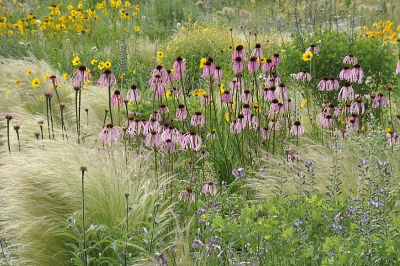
{"x":42,"y":194}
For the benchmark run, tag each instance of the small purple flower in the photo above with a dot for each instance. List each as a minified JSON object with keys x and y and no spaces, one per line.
{"x":179,"y":68}
{"x":309,"y":163}
{"x":239,"y":173}
{"x":296,"y":223}
{"x":197,"y":243}
{"x":364,"y":219}
{"x":363,"y":162}
{"x":350,"y":59}
{"x":107,"y":79}
{"x":332,"y":255}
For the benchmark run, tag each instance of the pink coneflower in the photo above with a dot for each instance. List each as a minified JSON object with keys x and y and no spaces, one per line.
{"x":379,"y":101}
{"x":233,"y":128}
{"x":171,"y":133}
{"x":226,"y":96}
{"x":159,"y":70}
{"x":136,"y":128}
{"x":297,"y":129}
{"x":269,"y":94}
{"x":241,"y":122}
{"x":357,"y":107}
{"x":8,"y":116}
{"x":239,"y":52}
{"x":246,"y":97}
{"x":157,"y":85}
{"x":274,"y":125}
{"x":163,"y":109}
{"x":357,"y":74}
{"x":392,"y":138}
{"x":152,"y":125}
{"x":170,"y":78}
{"x":205,"y":99}
{"x":236,"y":83}
{"x":282,"y":91}
{"x":198,"y":119}
{"x":267,"y":66}
{"x":350,"y":59}
{"x":179,"y":68}
{"x":53,"y":80}
{"x":117,"y":98}
{"x":212,"y":135}
{"x":289,"y":105}
{"x":272,"y":80}
{"x":333,"y":84}
{"x":218,"y":73}
{"x":398,"y":67}
{"x":253,"y":122}
{"x":276,"y":60}
{"x":313,"y":48}
{"x":246,"y":111}
{"x":323,"y":84}
{"x":303,"y":76}
{"x":257,"y":51}
{"x":110,"y":134}
{"x":326,"y":121}
{"x":209,"y":188}
{"x":292,"y":157}
{"x":48,"y":93}
{"x":191,"y":141}
{"x":187,"y":195}
{"x":341,"y":133}
{"x":181,"y":113}
{"x":152,"y":139}
{"x":253,"y":65}
{"x":238,"y":66}
{"x":264,"y":133}
{"x":353,"y":122}
{"x":133,"y":94}
{"x":155,"y":115}
{"x":80,"y":77}
{"x":208,"y":70}
{"x":346,"y":74}
{"x":346,"y":92}
{"x":332,"y":110}
{"x":107,"y":79}
{"x":168,"y":146}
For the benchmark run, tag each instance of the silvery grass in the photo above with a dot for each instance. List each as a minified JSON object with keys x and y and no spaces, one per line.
{"x":41,"y":189}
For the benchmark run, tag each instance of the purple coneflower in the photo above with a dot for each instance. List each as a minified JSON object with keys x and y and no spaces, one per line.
{"x":181,"y":113}
{"x":297,"y":129}
{"x":81,"y":76}
{"x":346,"y":74}
{"x":398,"y":67}
{"x":218,"y":73}
{"x":326,"y":121}
{"x":267,"y":66}
{"x":313,"y":48}
{"x":333,"y":84}
{"x":257,"y":51}
{"x":239,"y":173}
{"x":225,"y":97}
{"x":379,"y":101}
{"x":357,"y":107}
{"x":274,"y":125}
{"x":303,"y":76}
{"x":187,"y":195}
{"x":239,"y":52}
{"x":253,"y":65}
{"x":179,"y":68}
{"x":191,"y":140}
{"x":168,"y":146}
{"x":107,"y":79}
{"x":392,"y":138}
{"x":246,"y":97}
{"x":282,"y":91}
{"x":171,"y":133}
{"x":323,"y":84}
{"x":134,"y":94}
{"x":157,"y":85}
{"x":152,"y":125}
{"x":208,"y":69}
{"x":350,"y":59}
{"x":209,"y":188}
{"x":205,"y":99}
{"x":155,"y":115}
{"x":238,"y":66}
{"x":346,"y":92}
{"x":353,"y":122}
{"x":357,"y":74}
{"x":276,"y":60}
{"x":8,"y":117}
{"x":198,"y":119}
{"x":152,"y":139}
{"x":110,"y":134}
{"x":117,"y":99}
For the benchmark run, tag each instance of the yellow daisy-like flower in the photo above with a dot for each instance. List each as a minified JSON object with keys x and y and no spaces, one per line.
{"x":137,"y":29}
{"x":137,"y":8}
{"x":134,"y":72}
{"x":388,"y":129}
{"x":46,"y":76}
{"x":107,"y":64}
{"x":201,"y":93}
{"x":362,"y":128}
{"x":303,"y":103}
{"x":76,"y":61}
{"x":100,"y":66}
{"x":94,"y":61}
{"x":35,"y":82}
{"x":226,"y":117}
{"x":127,"y":4}
{"x":196,"y":92}
{"x":65,"y":76}
{"x":172,"y":70}
{"x":17,"y":82}
{"x":160,"y":54}
{"x":202,"y":62}
{"x":308,"y":56}
{"x":7,"y":94}
{"x":122,"y":76}
{"x":263,"y":60}
{"x":221,"y":89}
{"x":168,"y":94}
{"x":28,"y":72}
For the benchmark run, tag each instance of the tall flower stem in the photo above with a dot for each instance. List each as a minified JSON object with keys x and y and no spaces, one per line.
{"x":47,"y":115}
{"x":155,"y":166}
{"x":109,"y":104}
{"x":19,"y":143}
{"x":51,"y":117}
{"x":127,"y":228}
{"x":85,"y":262}
{"x":79,"y":113}
{"x":8,"y":135}
{"x":76,"y":114}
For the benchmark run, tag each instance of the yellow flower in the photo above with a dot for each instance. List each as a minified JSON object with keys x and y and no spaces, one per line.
{"x":79,"y":6}
{"x":362,"y":128}
{"x":196,"y":92}
{"x":46,"y":76}
{"x":107,"y":64}
{"x":76,"y":61}
{"x":221,"y":89}
{"x":28,"y":72}
{"x":123,"y":75}
{"x":17,"y":82}
{"x":137,"y":29}
{"x":7,"y":94}
{"x":168,"y":94}
{"x":227,"y":117}
{"x":35,"y":82}
{"x":303,"y":103}
{"x":263,"y":60}
{"x":308,"y":56}
{"x":127,"y":4}
{"x":388,"y":129}
{"x":202,"y":62}
{"x":172,"y":70}
{"x":201,"y":92}
{"x":160,"y":54}
{"x":100,"y":66}
{"x":134,"y":72}
{"x":94,"y":61}
{"x":65,"y":76}
{"x":137,"y":8}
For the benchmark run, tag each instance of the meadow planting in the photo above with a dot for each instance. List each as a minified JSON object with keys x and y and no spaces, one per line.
{"x":199,"y":132}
